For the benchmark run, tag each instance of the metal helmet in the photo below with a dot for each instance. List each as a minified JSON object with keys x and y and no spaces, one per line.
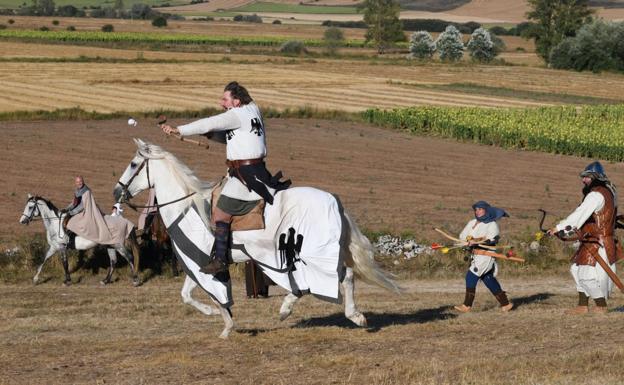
{"x":594,"y":170}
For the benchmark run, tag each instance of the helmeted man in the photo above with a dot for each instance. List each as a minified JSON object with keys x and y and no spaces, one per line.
{"x":593,"y":222}
{"x":248,"y":181}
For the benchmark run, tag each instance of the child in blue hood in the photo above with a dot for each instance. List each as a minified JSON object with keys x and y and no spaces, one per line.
{"x":483,"y":229}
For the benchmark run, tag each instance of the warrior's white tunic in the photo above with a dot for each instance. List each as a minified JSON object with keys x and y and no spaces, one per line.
{"x":245,"y":138}
{"x":481,"y":264}
{"x":591,"y":280}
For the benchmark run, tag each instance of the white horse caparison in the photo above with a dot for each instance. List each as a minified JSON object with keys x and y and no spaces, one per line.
{"x":172,"y":180}
{"x":39,"y":207}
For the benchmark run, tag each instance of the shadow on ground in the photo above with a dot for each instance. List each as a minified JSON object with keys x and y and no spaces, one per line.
{"x":378,"y":321}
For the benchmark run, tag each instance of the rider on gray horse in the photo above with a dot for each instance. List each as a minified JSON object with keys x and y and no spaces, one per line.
{"x":248,"y":180}
{"x":76,"y":207}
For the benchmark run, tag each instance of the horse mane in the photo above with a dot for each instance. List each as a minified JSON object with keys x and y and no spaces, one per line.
{"x":48,"y":203}
{"x":179,"y":170}
{"x":185,"y":176}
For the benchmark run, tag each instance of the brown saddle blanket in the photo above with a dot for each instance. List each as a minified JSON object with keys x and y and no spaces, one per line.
{"x":253,"y":220}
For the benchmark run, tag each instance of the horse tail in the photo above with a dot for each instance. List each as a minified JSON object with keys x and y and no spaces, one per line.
{"x":362,"y":257}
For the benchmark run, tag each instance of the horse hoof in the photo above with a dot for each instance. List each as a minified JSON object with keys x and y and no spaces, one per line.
{"x":35,"y":281}
{"x":104,"y":282}
{"x":358,"y":319}
{"x":283,"y":316}
{"x":136,"y":282}
{"x":224,"y":334}
{"x":67,"y":283}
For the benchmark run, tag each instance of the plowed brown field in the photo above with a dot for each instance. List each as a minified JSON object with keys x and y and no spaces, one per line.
{"x":389,"y":180}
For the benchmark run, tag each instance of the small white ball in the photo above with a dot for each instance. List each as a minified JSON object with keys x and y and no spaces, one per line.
{"x":132,"y":122}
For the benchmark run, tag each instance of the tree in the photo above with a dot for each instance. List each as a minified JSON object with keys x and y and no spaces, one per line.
{"x":554,"y":20}
{"x":159,"y":22}
{"x":480,"y":46}
{"x":450,"y":45}
{"x":333,"y":38}
{"x":119,"y":8}
{"x":384,"y":26}
{"x":422,"y":45}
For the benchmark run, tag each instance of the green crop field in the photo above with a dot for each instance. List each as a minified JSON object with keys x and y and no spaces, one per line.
{"x":590,"y":131}
{"x":13,"y":4}
{"x":294,"y":8}
{"x":85,"y":37}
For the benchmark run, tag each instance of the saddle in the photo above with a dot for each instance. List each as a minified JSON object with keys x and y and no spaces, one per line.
{"x":253,"y":220}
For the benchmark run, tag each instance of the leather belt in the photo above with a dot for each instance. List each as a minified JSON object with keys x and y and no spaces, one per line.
{"x":235,"y":164}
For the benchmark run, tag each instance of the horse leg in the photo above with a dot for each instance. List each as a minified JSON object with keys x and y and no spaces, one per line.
{"x":67,"y":280}
{"x":49,"y":253}
{"x":227,"y":320}
{"x":124,"y":253}
{"x":351,"y":311}
{"x":187,"y":289}
{"x":287,"y":306}
{"x":112,"y":256}
{"x":174,"y":260}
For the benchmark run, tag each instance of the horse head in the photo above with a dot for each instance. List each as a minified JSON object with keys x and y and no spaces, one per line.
{"x":136,"y":176}
{"x":31,"y":210}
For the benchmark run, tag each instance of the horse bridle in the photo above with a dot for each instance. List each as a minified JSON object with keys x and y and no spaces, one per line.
{"x":31,"y":216}
{"x":125,"y":194}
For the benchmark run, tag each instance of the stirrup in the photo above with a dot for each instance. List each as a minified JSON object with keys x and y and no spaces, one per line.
{"x":214,"y":267}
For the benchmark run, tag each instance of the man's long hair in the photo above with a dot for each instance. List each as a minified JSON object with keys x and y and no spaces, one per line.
{"x":238,"y":92}
{"x":604,"y":183}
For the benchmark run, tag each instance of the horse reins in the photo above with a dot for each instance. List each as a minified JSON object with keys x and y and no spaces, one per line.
{"x":125,"y":187}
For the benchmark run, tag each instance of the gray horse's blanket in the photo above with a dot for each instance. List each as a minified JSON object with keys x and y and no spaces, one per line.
{"x":93,"y":225}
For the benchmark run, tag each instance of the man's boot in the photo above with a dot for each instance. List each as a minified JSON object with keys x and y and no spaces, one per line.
{"x":220,"y":260}
{"x":502,"y":299}
{"x":601,"y":306}
{"x":468,"y":300}
{"x":583,"y":305}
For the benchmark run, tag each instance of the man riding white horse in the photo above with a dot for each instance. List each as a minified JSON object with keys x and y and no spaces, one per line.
{"x":75,"y":207}
{"x":248,"y":180}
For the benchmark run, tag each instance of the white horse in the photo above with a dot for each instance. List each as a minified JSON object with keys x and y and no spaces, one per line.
{"x":39,"y":207}
{"x":181,"y":195}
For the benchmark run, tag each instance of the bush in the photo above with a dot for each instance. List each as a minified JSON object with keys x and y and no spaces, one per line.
{"x":422,"y":45}
{"x":68,"y":11}
{"x":333,"y":37}
{"x":44,"y":28}
{"x":108,"y":28}
{"x":3,"y":26}
{"x":449,"y":45}
{"x":277,"y":21}
{"x":436,"y":25}
{"x":248,"y":18}
{"x":55,"y":22}
{"x":293,"y":47}
{"x":159,"y":22}
{"x":498,"y":30}
{"x":597,"y":46}
{"x":11,"y":21}
{"x":104,"y":13}
{"x":480,"y":46}
{"x":71,"y":28}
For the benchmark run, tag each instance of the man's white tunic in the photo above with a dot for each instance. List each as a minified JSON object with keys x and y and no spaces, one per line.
{"x":245,"y":138}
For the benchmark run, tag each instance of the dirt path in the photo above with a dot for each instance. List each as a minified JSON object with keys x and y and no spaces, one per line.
{"x":388,"y":180}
